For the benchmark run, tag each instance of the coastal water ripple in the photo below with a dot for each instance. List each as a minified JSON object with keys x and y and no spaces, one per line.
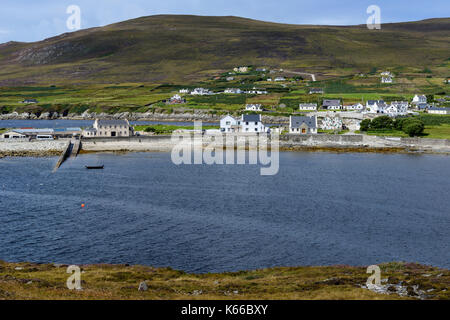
{"x":321,"y":208}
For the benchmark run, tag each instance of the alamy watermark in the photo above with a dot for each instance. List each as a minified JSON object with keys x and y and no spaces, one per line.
{"x":200,"y":147}
{"x":374,"y":21}
{"x":375,"y":278}
{"x":74,"y":281}
{"x":73,"y":22}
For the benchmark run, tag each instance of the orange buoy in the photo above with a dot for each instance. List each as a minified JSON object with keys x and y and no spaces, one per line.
{"x":82,"y":205}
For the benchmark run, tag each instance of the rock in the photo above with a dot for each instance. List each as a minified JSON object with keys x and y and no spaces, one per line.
{"x":143,"y":286}
{"x":18,"y":268}
{"x":197,"y":292}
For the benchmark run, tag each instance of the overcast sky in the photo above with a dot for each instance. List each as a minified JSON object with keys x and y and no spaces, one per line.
{"x":29,"y":20}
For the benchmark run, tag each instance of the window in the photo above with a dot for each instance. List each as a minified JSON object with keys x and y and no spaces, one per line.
{"x":256,"y":129}
{"x":228,"y":123}
{"x":256,"y":123}
{"x":246,"y":129}
{"x":246,"y":123}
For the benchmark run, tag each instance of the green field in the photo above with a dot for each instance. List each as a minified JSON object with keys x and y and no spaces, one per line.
{"x":167,"y":129}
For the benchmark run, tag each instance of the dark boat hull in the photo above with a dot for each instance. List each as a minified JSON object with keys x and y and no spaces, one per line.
{"x":94,"y":167}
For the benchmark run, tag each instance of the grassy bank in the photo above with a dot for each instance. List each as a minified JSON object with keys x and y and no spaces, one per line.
{"x":48,"y":281}
{"x":167,"y":129}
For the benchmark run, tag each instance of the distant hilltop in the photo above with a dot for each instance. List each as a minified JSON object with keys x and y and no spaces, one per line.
{"x":184,"y":48}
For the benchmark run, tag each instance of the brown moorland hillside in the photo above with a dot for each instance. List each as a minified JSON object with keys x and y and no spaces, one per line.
{"x":167,"y":48}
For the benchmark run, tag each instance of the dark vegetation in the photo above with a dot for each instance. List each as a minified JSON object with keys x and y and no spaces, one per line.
{"x":412,"y":126}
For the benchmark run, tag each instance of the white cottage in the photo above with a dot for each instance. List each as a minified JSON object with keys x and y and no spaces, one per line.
{"x":251,"y":123}
{"x":354,"y":107}
{"x":307,"y":107}
{"x":375,"y":106}
{"x":227,"y":124}
{"x":419,"y":99}
{"x":302,"y":125}
{"x":253,"y":107}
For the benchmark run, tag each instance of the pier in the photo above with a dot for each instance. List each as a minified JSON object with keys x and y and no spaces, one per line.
{"x":71,"y":150}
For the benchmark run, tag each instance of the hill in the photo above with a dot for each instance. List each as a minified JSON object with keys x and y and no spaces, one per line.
{"x":175,"y":48}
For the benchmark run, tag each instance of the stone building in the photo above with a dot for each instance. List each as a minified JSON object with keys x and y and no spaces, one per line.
{"x":109,"y":128}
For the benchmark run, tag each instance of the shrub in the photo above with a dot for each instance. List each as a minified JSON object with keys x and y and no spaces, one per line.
{"x":365,"y":125}
{"x":413,"y":128}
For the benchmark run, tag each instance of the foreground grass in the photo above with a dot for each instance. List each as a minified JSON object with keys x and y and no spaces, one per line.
{"x":48,"y":281}
{"x":167,"y":129}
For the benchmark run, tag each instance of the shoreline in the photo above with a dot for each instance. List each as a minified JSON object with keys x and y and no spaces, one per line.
{"x":399,"y":280}
{"x":326,"y":149}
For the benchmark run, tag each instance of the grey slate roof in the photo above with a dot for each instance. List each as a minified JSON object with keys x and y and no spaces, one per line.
{"x":439,"y":108}
{"x":112,"y":122}
{"x":251,"y":118}
{"x":297,"y":121}
{"x":327,"y":103}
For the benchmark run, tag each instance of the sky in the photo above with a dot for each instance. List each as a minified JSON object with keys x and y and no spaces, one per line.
{"x":29,"y":20}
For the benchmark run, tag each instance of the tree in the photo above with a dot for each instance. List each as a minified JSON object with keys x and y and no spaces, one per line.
{"x":398,"y":123}
{"x":414,"y":128}
{"x":383,"y":122}
{"x":365,"y":125}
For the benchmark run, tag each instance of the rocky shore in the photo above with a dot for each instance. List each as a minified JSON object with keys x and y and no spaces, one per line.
{"x":180,"y":116}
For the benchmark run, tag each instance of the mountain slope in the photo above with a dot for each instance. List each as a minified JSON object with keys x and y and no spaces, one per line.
{"x":167,"y":48}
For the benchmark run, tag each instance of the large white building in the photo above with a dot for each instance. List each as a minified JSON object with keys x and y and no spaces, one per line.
{"x":109,"y":128}
{"x":249,"y":123}
{"x":437,"y":110}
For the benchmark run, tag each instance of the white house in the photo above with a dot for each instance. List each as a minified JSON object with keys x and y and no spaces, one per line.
{"x":386,"y":74}
{"x":302,"y":125}
{"x":227,"y":123}
{"x":251,"y":123}
{"x":386,"y":80}
{"x":256,"y":91}
{"x":308,"y":107}
{"x":253,"y":107}
{"x":375,"y":106}
{"x":316,"y":91}
{"x":332,"y":104}
{"x":397,"y":108}
{"x":200,"y":92}
{"x":184,"y":91}
{"x":419,"y":99}
{"x":280,"y":79}
{"x":354,"y":107}
{"x":233,"y":90}
{"x":241,"y":69}
{"x":437,"y":110}
{"x":230,"y":78}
